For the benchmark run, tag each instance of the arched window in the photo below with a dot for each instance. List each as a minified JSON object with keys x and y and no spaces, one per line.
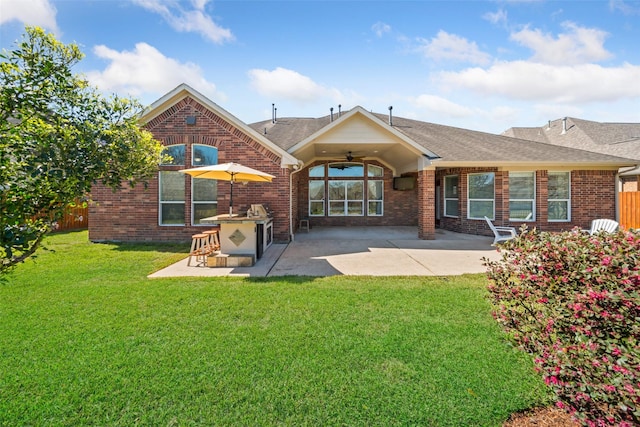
{"x":177,"y":154}
{"x":346,"y":170}
{"x":204,"y":155}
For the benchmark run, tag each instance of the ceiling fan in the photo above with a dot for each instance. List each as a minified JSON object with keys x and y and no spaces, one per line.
{"x":351,"y":158}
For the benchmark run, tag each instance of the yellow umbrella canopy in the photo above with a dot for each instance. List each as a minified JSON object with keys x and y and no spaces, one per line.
{"x":231,"y":172}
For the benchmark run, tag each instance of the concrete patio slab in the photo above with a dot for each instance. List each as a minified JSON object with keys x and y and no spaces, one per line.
{"x":370,"y":251}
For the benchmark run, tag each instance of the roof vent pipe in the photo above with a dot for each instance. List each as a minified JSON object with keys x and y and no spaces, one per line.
{"x":339,"y":110}
{"x":549,"y":125}
{"x":275,"y":115}
{"x":564,"y":126}
{"x":390,"y":117}
{"x":331,"y":110}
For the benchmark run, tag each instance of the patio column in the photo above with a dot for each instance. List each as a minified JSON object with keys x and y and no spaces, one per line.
{"x":427,"y":204}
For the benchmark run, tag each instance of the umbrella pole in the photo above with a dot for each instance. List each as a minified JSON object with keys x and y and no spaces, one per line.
{"x":231,"y":199}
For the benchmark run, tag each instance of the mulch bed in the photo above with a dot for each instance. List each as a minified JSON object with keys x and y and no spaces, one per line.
{"x":541,"y":417}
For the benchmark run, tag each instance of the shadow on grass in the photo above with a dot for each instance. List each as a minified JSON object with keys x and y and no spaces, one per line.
{"x":177,"y":248}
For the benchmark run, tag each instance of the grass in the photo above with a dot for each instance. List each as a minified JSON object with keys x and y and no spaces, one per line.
{"x":87,"y":339}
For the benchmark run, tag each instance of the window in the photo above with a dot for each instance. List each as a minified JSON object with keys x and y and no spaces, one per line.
{"x":375,"y":171}
{"x":559,"y":196}
{"x":177,"y":153}
{"x":481,"y":195}
{"x":316,"y":172}
{"x":346,"y":169}
{"x":522,"y":194}
{"x":172,"y":198}
{"x":375,"y":192}
{"x":334,"y":192}
{"x":204,"y":192}
{"x":204,"y":155}
{"x":451,"y":196}
{"x":204,"y":199}
{"x":346,"y":198}
{"x":316,"y":198}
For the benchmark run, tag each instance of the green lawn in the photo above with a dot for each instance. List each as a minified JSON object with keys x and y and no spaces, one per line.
{"x":87,"y":339}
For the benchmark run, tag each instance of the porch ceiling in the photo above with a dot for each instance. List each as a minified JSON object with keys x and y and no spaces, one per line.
{"x":395,"y":155}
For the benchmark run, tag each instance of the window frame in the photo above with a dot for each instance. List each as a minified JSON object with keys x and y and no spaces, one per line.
{"x":532,"y":201}
{"x":346,"y":201}
{"x":184,"y":155}
{"x":375,"y":202}
{"x":195,"y":202}
{"x":197,"y":164}
{"x":324,"y":192}
{"x":161,"y":202}
{"x":471,"y":200}
{"x":457,"y":198}
{"x":568,"y":200}
{"x":193,"y":181}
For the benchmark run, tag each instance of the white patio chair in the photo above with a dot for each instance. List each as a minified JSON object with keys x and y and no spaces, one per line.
{"x":501,"y":234}
{"x":607,"y":225}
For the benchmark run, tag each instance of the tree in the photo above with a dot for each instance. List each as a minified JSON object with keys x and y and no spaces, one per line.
{"x":58,"y":136}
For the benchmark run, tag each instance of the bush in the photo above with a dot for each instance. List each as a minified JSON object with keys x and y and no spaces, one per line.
{"x":572,"y":301}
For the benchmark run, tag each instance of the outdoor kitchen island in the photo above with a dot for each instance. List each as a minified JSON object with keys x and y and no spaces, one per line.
{"x":243,"y":239}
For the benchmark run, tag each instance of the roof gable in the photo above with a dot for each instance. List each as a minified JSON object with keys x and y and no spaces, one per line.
{"x":182,"y":91}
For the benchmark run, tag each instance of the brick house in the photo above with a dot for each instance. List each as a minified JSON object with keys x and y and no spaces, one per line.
{"x":353,"y":168}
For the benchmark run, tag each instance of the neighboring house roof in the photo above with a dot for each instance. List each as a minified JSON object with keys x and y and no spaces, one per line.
{"x":445,"y":145}
{"x":184,"y":90}
{"x":617,"y":139}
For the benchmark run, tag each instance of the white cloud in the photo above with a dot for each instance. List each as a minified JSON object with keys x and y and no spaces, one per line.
{"x":380,"y":28}
{"x":145,"y":70}
{"x":577,"y":45}
{"x":441,"y":105}
{"x":290,"y":85}
{"x":447,"y":46}
{"x":497,"y":17}
{"x":40,"y":13}
{"x":195,"y":20}
{"x":548,"y":83}
{"x":625,"y":7}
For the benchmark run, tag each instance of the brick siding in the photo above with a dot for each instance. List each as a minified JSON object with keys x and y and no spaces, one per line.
{"x":132,"y":214}
{"x":592,"y":197}
{"x":399,"y":207}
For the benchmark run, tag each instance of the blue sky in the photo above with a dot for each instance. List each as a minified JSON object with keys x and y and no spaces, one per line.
{"x":483,"y":65}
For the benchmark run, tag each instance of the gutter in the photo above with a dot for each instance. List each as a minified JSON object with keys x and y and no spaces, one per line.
{"x":296,"y":168}
{"x":626,"y":172}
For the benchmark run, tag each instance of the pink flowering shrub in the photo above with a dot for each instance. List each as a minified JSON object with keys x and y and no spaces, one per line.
{"x":572,"y":301}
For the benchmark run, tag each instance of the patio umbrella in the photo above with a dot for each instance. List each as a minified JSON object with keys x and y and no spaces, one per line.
{"x":231,"y":172}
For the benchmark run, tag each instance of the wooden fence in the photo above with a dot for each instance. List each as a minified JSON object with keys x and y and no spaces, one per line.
{"x":629,"y":209}
{"x":74,"y":219}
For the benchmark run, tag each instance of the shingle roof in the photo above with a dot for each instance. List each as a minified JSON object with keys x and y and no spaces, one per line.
{"x":451,"y":144}
{"x":618,"y":139}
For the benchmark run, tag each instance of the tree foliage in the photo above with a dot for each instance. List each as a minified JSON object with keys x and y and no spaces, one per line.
{"x":58,"y":136}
